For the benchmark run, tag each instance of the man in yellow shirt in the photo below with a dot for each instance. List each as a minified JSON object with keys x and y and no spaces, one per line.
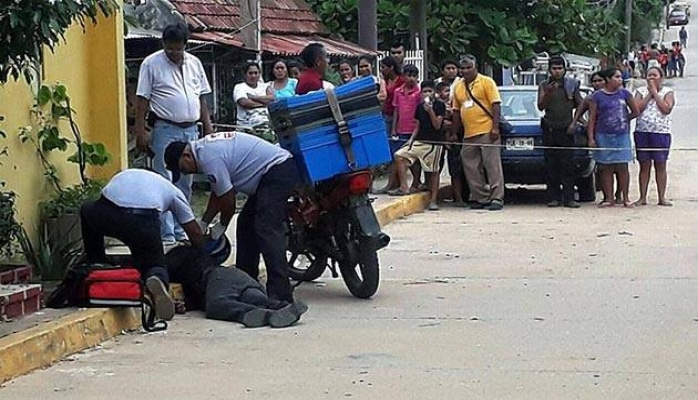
{"x":482,"y":164}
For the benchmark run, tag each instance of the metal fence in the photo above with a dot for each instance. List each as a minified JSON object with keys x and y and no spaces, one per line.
{"x":414,"y":57}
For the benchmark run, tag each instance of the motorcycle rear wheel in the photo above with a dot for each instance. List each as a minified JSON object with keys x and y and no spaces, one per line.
{"x":359,"y":266}
{"x":305,"y":267}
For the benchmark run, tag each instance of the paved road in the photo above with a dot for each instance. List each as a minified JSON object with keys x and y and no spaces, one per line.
{"x":528,"y":303}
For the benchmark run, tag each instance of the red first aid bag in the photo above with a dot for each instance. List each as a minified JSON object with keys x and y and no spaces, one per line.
{"x":103,"y":285}
{"x":113,"y":287}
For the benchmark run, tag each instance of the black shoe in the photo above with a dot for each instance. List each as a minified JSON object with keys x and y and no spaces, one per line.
{"x":495,"y":206}
{"x":162,"y":302}
{"x":256,"y":318}
{"x":474,"y":205}
{"x":572,"y":204}
{"x":288,"y":315}
{"x":301,"y":307}
{"x":553,"y":203}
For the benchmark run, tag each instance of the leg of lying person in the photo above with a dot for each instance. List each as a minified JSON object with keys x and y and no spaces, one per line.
{"x":231,"y":295}
{"x":223,"y":297}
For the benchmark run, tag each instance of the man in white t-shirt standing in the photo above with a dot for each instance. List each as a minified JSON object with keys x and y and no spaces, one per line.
{"x":171,"y":85}
{"x":129,"y":210}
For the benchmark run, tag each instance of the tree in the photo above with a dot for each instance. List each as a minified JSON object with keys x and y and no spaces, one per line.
{"x":496,"y":31}
{"x":27,"y":25}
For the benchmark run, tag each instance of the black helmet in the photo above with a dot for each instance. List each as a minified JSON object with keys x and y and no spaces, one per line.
{"x":219,"y":250}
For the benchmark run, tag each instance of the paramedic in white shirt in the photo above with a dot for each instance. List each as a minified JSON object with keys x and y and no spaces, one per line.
{"x":129,"y":210}
{"x":171,"y":85}
{"x":239,"y":162}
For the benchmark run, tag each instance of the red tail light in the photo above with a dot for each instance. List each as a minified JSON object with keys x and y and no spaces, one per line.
{"x":359,"y":184}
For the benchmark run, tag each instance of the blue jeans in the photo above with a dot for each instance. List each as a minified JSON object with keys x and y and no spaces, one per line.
{"x":164,"y":134}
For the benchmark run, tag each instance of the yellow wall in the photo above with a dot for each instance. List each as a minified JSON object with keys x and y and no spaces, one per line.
{"x":91,"y":66}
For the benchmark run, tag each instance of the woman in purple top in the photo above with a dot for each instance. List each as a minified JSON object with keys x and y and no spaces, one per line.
{"x":610,"y":112}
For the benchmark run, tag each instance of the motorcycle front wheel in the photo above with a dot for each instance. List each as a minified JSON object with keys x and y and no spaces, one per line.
{"x":359,"y":264}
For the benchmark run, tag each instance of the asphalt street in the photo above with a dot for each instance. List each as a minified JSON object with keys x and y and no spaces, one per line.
{"x":526,"y":303}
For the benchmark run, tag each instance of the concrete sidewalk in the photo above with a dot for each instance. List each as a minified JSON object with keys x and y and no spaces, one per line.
{"x":48,"y":342}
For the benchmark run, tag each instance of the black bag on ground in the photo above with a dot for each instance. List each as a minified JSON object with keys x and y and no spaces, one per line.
{"x":103,"y":285}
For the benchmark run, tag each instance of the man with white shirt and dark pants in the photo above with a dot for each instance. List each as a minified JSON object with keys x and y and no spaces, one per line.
{"x":129,"y":210}
{"x":171,"y":85}
{"x":239,"y":162}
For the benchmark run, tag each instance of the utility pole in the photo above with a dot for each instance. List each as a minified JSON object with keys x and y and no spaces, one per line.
{"x":629,"y":24}
{"x":251,"y":27}
{"x":418,"y":31}
{"x":368,"y":29}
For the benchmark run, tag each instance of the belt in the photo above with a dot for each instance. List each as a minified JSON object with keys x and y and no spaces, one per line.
{"x":148,"y":212}
{"x":177,"y":124}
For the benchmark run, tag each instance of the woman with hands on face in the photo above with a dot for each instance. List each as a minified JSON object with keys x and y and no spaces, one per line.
{"x":653,"y":133}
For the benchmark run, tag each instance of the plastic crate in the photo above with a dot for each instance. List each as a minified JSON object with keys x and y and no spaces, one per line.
{"x":319,"y":154}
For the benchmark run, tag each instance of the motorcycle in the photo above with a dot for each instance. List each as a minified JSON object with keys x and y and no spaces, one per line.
{"x":333,"y":226}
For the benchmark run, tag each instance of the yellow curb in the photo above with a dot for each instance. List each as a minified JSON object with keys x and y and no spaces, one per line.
{"x":407,"y":205}
{"x":45,"y":344}
{"x":402,"y":207}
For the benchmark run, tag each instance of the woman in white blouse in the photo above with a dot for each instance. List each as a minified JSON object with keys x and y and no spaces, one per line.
{"x":653,"y":133}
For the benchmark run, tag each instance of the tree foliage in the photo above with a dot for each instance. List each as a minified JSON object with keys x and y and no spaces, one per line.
{"x":498,"y":31}
{"x":27,"y":25}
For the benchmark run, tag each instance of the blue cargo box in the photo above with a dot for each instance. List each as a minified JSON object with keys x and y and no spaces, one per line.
{"x":307,"y":129}
{"x":295,"y":113}
{"x":319,"y":154}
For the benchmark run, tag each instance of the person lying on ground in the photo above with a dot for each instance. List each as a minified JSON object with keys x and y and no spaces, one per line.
{"x":227,"y":293}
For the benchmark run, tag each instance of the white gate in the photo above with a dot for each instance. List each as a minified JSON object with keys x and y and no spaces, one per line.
{"x":414,"y":57}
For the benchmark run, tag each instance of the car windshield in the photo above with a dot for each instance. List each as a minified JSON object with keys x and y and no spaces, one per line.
{"x":677,"y":14}
{"x":520,"y":104}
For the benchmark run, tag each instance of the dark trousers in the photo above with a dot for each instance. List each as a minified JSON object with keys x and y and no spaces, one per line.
{"x":231,"y":293}
{"x":261,"y":229}
{"x":138,"y":229}
{"x":559,"y":165}
{"x":226,"y":294}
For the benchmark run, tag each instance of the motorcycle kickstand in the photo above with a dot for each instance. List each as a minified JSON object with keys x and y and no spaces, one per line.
{"x":333,"y":269}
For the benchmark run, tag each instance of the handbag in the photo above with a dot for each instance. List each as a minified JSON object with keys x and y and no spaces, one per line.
{"x":505,"y":126}
{"x":103,"y":285}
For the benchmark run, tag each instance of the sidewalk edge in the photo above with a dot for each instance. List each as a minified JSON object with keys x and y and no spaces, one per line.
{"x":402,"y":207}
{"x":42,"y":345}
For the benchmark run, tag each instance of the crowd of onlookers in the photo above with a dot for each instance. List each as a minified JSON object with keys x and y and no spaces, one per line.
{"x":454,"y":121}
{"x":671,"y":60}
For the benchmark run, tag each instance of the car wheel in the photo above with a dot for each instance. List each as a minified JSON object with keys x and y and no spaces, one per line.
{"x":587,"y":188}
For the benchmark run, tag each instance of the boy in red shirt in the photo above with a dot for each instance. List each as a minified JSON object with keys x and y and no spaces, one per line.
{"x":406,"y":100}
